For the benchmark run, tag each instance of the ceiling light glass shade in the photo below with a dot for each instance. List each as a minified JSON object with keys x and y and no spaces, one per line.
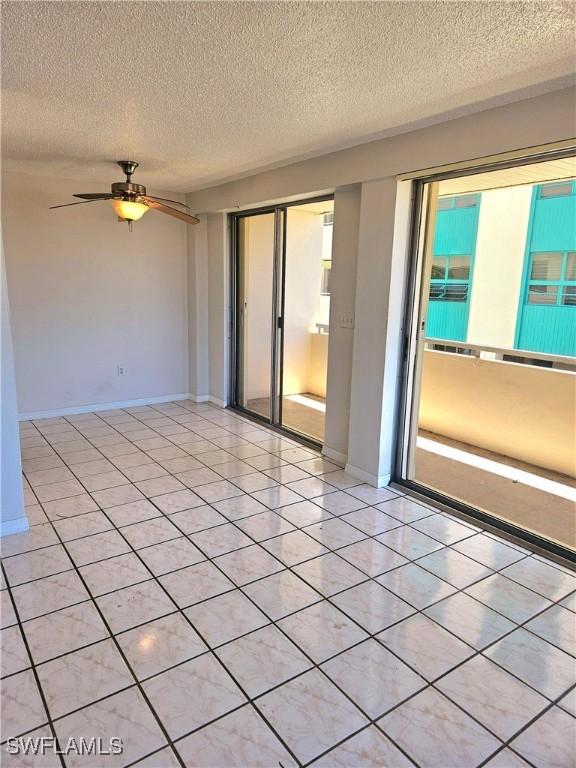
{"x":129,"y":210}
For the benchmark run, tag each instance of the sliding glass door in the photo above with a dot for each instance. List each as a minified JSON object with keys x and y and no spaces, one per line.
{"x":490,"y":419}
{"x":282,"y":261}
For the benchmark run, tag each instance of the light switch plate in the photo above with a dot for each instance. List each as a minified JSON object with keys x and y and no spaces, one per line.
{"x":347,"y":320}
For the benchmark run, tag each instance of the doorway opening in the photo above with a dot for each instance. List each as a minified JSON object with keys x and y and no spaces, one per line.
{"x":489,"y":413}
{"x":281,"y":268}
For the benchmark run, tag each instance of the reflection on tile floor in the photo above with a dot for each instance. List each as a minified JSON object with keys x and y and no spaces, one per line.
{"x":217,"y":596}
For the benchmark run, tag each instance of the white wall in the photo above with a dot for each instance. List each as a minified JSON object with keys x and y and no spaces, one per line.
{"x":88,"y":296}
{"x":498,"y":264}
{"x":12,"y":515}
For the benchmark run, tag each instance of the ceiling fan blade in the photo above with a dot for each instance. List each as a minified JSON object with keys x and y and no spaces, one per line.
{"x":167,"y":200}
{"x":65,"y":205}
{"x":95,"y":196}
{"x":186,"y":217}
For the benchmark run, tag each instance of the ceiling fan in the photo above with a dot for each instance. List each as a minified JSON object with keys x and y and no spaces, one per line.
{"x":131,"y":202}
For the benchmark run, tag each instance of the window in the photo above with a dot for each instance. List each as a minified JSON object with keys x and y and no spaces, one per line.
{"x":450,"y":278}
{"x":562,"y":189}
{"x":552,"y":279}
{"x":326,"y":272}
{"x":457,"y":201}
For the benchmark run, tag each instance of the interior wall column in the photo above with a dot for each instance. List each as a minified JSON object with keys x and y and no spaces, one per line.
{"x":198,"y":310}
{"x":12,"y":512}
{"x":218,"y":307}
{"x":376,"y":361}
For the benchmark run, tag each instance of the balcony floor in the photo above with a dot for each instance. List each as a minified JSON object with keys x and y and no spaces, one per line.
{"x":546,"y":514}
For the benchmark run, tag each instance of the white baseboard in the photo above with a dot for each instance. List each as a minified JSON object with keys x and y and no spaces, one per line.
{"x":378,"y":481}
{"x":217,"y":401}
{"x":8,"y":527}
{"x":330,"y":453}
{"x":199,"y":398}
{"x":102,"y":406}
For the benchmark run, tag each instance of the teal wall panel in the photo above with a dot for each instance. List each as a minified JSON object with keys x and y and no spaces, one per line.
{"x":455,"y":231}
{"x":447,"y":320}
{"x":548,"y":329}
{"x":554,"y":224}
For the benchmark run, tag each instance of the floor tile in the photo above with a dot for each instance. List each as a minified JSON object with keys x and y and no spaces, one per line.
{"x":541,"y":578}
{"x":112,"y":497}
{"x":339,"y":478}
{"x":275,"y":497}
{"x":425,"y":646}
{"x":91,"y":468}
{"x":46,"y":476}
{"x":164,"y":758}
{"x":241,"y":738}
{"x":488,"y":551}
{"x":339,"y":503}
{"x":7,"y":613}
{"x":213,"y":492}
{"x":303,"y":513}
{"x":568,"y":702}
{"x":197,"y":477}
{"x":64,"y":508}
{"x":82,"y":677}
{"x":239,"y":507}
{"x":570,"y":602}
{"x":311,"y":487}
{"x":506,"y":759}
{"x":265,"y":525}
{"x":256,"y":481}
{"x":134,"y":605}
{"x":371,"y":521}
{"x":145,"y":472}
{"x":436,"y":733}
{"x":160,"y":644}
{"x":317,"y":466}
{"x":507,"y":597}
{"x":415,"y":585}
{"x":82,"y":525}
{"x":321,"y":631}
{"x":293,"y":548}
{"x":64,"y":631}
{"x":37,"y":564}
{"x":150,"y":532}
{"x":21,"y":707}
{"x":549,"y":742}
{"x":170,"y":555}
{"x":115,"y":573}
{"x":14,"y":656}
{"x":225,"y":617}
{"x":127,"y":716}
{"x":470,"y":620}
{"x":452,"y":566}
{"x":371,"y":557}
{"x":409,"y":542}
{"x":248,"y":564}
{"x":195,"y":583}
{"x":334,"y":533}
{"x":372,"y":606}
{"x":177,"y":501}
{"x":49,"y":594}
{"x":556,"y":625}
{"x":100,"y":546}
{"x":220,"y":540}
{"x":39,"y":536}
{"x":132,"y":512}
{"x":368,"y":749}
{"x":310,"y":714}
{"x":59,"y":490}
{"x":536,"y":662}
{"x":262,"y":660}
{"x":373,"y":677}
{"x":197,"y":519}
{"x":193,"y":694}
{"x":281,"y":594}
{"x":329,"y":574}
{"x":110,"y":479}
{"x":443,"y":529}
{"x":287,"y":474}
{"x":371,"y":495}
{"x":499,"y":701}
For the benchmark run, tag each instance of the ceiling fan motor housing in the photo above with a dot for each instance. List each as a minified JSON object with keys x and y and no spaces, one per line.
{"x":128,"y":190}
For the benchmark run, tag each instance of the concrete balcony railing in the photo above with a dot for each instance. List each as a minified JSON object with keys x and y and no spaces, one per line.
{"x":523,"y":411}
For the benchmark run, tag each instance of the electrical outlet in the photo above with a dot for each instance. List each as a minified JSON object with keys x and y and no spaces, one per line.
{"x":121,"y":370}
{"x":347,"y":320}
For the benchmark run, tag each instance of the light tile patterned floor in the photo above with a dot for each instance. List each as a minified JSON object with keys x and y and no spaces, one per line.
{"x":218,"y":596}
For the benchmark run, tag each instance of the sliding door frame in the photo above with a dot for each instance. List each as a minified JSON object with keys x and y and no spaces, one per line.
{"x":278,"y":298}
{"x":414,"y":328}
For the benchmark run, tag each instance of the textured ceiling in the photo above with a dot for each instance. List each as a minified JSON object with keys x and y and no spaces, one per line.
{"x":203,"y":91}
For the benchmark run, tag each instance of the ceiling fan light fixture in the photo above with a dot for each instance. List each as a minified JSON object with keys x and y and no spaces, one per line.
{"x":129,"y":210}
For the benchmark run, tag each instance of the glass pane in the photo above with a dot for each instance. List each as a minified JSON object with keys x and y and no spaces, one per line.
{"x":571,"y":266}
{"x":459,"y":268}
{"x":456,"y":292}
{"x":445,"y":203}
{"x":569,"y":296}
{"x":542,"y":294}
{"x":467,"y":201}
{"x":306,"y":317}
{"x":255,"y":282}
{"x":546,"y":266}
{"x":556,"y":190}
{"x":438,"y":268}
{"x":437,"y":291}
